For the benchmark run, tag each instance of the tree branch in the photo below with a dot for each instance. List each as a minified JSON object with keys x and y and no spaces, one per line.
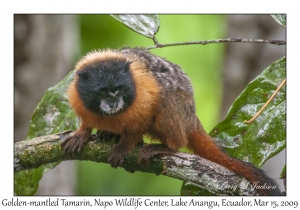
{"x":194,"y":170}
{"x":204,"y":42}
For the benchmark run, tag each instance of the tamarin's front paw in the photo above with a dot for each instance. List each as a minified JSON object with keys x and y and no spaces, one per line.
{"x":74,"y":142}
{"x":116,"y":156}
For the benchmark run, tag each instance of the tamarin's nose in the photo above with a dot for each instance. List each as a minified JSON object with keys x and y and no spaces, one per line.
{"x":113,"y":94}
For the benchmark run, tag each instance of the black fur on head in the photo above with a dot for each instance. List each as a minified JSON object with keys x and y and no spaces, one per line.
{"x":106,"y":87}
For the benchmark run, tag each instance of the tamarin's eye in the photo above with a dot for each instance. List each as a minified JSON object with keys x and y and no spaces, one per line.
{"x":103,"y":92}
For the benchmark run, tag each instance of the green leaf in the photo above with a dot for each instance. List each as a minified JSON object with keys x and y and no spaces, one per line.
{"x":263,"y":138}
{"x":266,"y":136}
{"x":27,"y":182}
{"x":283,"y":173}
{"x":52,"y":115}
{"x":281,"y":19}
{"x":283,"y":176}
{"x":146,"y":25}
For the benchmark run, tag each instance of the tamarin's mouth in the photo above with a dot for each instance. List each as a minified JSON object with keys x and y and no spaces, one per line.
{"x":112,"y":107}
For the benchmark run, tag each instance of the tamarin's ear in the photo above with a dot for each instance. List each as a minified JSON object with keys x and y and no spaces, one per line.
{"x":126,"y":65}
{"x":82,"y":75}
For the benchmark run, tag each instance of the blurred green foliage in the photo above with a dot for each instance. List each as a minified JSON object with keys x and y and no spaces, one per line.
{"x":203,"y":65}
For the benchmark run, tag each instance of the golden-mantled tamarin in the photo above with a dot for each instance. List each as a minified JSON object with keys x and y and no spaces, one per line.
{"x":131,"y":93}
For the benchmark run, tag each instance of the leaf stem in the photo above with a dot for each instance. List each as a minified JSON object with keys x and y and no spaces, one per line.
{"x":264,"y":106}
{"x":155,"y":41}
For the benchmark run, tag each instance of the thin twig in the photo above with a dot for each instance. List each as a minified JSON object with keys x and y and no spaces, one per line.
{"x":204,"y":42}
{"x":264,"y":106}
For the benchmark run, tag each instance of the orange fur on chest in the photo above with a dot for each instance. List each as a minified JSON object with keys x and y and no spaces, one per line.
{"x":137,"y":117}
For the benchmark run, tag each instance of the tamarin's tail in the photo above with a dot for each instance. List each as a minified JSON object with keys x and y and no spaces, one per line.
{"x":203,"y":145}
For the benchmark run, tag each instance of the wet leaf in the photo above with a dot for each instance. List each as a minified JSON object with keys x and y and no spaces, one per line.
{"x":266,"y":136}
{"x":146,"y":25}
{"x":52,"y":115}
{"x":281,"y":19}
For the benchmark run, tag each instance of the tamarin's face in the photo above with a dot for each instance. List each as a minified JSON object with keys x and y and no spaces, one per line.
{"x":106,"y":87}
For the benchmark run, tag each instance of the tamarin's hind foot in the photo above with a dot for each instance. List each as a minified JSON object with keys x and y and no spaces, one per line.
{"x":148,"y":151}
{"x":118,"y":153}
